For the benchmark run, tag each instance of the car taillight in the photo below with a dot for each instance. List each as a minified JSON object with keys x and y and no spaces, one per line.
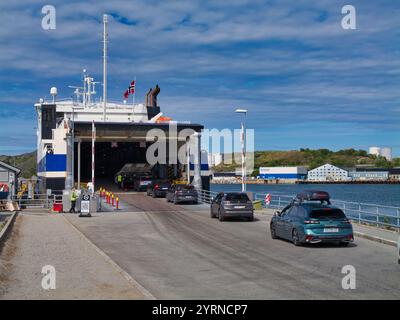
{"x":156,"y":186}
{"x":309,"y":238}
{"x":347,"y":221}
{"x":311,"y":222}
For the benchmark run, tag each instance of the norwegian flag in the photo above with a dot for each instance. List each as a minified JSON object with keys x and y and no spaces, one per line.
{"x":131,"y":90}
{"x":132,"y":87}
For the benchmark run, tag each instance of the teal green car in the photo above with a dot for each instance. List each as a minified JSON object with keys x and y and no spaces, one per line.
{"x":310,"y":218}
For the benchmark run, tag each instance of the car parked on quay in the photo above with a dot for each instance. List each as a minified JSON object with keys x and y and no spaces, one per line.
{"x":232,"y":205}
{"x":310,"y":218}
{"x":180,"y":193}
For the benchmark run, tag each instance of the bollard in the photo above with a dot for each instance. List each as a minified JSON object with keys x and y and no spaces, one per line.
{"x":112,"y":198}
{"x":117,"y":203}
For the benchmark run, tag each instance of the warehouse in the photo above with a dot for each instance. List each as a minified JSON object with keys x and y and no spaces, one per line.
{"x":369,"y":174}
{"x":394,"y":174}
{"x":283,"y":173}
{"x":328,"y":172}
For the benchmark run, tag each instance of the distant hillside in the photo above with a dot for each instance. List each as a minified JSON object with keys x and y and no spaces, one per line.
{"x":313,"y":159}
{"x":26,"y":162}
{"x":303,"y":157}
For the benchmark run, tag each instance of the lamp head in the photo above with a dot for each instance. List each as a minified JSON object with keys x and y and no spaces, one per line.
{"x":241,"y":110}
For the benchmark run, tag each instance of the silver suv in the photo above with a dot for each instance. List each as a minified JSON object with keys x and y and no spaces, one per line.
{"x":232,"y":205}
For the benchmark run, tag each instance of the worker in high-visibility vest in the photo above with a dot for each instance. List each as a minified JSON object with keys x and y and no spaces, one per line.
{"x":119,"y":180}
{"x":74,"y":197}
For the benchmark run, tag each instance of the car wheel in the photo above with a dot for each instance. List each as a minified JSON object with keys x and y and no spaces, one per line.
{"x":211,"y":214}
{"x":295,"y":238}
{"x":250,"y":218}
{"x":344,"y":244}
{"x":273,"y":231}
{"x":220,"y":216}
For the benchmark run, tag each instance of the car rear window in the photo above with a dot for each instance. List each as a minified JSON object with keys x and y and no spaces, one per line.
{"x":165,"y":184}
{"x":185,"y":187}
{"x":327,"y":214}
{"x":162,"y":182}
{"x":237,"y":197}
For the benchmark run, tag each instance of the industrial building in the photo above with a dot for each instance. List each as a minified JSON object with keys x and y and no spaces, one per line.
{"x":8,"y":180}
{"x":394,"y":174}
{"x":328,"y":172}
{"x":214,"y":159}
{"x":385,"y":152}
{"x":369,"y":174}
{"x":283,"y":173}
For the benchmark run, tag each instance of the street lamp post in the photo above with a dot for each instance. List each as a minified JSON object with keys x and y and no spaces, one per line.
{"x":243,"y":142}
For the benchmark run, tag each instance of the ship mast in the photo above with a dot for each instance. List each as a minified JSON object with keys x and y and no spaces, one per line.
{"x":105,"y":36}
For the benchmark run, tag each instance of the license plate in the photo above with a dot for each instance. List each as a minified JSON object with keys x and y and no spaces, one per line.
{"x":331,"y":229}
{"x":165,"y":188}
{"x":188,"y":196}
{"x":240,"y":207}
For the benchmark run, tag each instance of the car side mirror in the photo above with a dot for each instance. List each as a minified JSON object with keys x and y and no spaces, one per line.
{"x":277,"y":213}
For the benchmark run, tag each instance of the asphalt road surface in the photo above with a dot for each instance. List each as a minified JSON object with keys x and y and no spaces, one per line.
{"x":179,"y":252}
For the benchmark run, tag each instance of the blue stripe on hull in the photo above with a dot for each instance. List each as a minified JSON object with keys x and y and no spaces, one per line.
{"x":282,"y":176}
{"x":203,"y":166}
{"x":53,"y":163}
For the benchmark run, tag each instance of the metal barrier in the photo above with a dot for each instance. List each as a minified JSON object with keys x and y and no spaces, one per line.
{"x":38,"y":201}
{"x":206,"y":196}
{"x":374,"y":214}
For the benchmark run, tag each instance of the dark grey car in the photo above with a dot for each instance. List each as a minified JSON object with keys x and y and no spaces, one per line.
{"x":182,"y":193}
{"x":158,"y":188}
{"x":232,"y":205}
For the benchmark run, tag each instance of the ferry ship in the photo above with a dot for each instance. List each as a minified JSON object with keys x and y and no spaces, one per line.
{"x":85,"y":137}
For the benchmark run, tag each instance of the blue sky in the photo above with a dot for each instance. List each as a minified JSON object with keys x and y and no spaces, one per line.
{"x":305,"y":81}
